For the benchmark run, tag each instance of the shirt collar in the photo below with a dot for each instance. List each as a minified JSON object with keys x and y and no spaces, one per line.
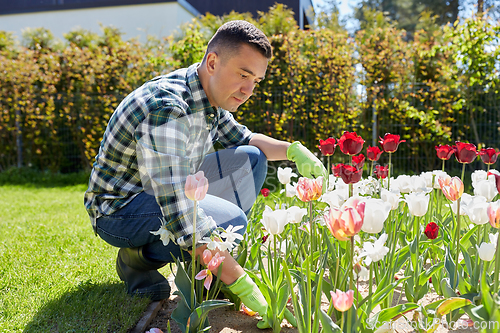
{"x":200,"y":98}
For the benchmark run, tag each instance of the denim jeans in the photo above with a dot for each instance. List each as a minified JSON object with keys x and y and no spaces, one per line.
{"x":235,"y":178}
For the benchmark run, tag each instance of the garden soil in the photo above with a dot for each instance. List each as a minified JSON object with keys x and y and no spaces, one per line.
{"x":226,"y":320}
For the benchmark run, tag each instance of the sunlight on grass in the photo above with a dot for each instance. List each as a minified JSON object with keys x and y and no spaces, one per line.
{"x":55,"y":274}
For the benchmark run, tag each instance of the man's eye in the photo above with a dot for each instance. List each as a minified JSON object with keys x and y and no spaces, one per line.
{"x":243,"y":76}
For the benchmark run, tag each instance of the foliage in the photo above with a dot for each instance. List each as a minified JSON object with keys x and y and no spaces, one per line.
{"x":438,"y":87}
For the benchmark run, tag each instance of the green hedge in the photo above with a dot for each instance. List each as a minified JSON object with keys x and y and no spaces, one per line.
{"x":439,"y":87}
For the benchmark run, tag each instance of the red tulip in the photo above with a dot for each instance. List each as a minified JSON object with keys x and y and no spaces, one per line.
{"x":350,"y":143}
{"x":431,"y":230}
{"x":336,"y":170}
{"x":488,"y":155}
{"x":373,"y":153}
{"x":381,"y":171}
{"x":265,"y":192}
{"x":390,"y":142}
{"x":327,"y":147}
{"x":349,"y":173}
{"x":358,"y":161}
{"x":465,"y":152}
{"x":444,"y":152}
{"x":497,"y":179}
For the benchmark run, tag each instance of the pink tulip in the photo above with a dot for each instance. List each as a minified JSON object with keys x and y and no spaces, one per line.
{"x":493,"y":212}
{"x":207,"y":256}
{"x":452,"y":188}
{"x":342,"y":301}
{"x":196,"y":186}
{"x":309,"y":189}
{"x":346,"y":221}
{"x":215,"y":262}
{"x":207,"y":275}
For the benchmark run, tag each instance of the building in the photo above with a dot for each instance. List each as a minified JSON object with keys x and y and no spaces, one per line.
{"x":135,"y":18}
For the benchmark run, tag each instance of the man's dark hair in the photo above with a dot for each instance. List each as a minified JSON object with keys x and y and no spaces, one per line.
{"x":231,"y":35}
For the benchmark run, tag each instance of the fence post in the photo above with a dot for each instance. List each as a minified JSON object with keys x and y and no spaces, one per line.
{"x":19,"y":137}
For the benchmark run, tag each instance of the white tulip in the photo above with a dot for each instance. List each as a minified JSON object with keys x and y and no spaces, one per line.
{"x":486,"y":188}
{"x":335,"y":198}
{"x":478,"y":176}
{"x":476,"y":210}
{"x":391,"y":197}
{"x":402,"y":184}
{"x":486,"y":251}
{"x":465,"y":201}
{"x":295,"y":214}
{"x":285,"y":175}
{"x":418,"y":203}
{"x":274,"y":221}
{"x":376,"y":212}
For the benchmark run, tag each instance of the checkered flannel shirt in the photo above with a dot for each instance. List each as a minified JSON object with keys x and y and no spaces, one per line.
{"x":157,"y":136}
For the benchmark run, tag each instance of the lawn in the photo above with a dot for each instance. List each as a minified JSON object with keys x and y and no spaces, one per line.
{"x":55,"y":274}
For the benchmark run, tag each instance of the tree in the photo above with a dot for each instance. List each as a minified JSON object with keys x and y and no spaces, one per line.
{"x":407,"y":12}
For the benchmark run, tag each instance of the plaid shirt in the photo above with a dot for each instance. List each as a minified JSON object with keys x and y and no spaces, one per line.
{"x":158,"y":135}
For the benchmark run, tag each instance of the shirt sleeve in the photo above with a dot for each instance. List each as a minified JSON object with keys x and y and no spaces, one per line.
{"x":164,"y":165}
{"x":230,"y":132}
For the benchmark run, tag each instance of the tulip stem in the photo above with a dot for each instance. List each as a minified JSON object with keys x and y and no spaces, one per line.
{"x":193,"y":256}
{"x":497,"y":265}
{"x":351,"y":263}
{"x":457,"y":235}
{"x":463,"y":171}
{"x":442,"y":167}
{"x":389,"y":173}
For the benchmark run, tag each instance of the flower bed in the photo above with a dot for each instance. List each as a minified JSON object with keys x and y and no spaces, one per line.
{"x":411,"y":236}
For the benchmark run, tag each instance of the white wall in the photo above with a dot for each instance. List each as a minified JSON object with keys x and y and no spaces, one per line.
{"x":134,"y":21}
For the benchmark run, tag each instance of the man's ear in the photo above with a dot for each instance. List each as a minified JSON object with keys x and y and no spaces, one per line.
{"x":212,"y":62}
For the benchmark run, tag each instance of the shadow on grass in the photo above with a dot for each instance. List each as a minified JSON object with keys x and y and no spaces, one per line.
{"x":35,"y":178}
{"x":90,"y":307}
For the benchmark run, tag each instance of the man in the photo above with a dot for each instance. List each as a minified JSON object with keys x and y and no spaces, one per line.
{"x":164,"y":131}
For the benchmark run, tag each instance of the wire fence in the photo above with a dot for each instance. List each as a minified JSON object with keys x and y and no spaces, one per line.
{"x":477,"y":122}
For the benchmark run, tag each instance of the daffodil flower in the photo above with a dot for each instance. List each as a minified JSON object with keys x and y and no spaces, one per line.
{"x":375,"y":251}
{"x":165,"y":235}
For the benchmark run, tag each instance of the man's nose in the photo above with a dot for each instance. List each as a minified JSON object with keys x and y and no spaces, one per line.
{"x":247,"y":88}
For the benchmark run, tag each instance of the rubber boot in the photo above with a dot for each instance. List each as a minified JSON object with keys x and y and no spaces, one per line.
{"x":141,"y":275}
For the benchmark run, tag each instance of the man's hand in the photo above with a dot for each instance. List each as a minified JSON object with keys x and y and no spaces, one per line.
{"x":308,"y":165}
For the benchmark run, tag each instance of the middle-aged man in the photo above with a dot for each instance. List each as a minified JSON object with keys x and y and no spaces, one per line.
{"x":164,"y":131}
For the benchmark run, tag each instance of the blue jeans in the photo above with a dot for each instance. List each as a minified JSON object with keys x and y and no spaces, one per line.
{"x":235,"y":178}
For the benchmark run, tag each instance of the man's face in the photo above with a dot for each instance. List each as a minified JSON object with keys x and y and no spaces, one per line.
{"x":232,"y":79}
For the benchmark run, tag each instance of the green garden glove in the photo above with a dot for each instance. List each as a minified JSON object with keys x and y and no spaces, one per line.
{"x":252,"y":297}
{"x":308,"y":165}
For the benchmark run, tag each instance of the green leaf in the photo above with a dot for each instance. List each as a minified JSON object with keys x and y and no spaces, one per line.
{"x":393,"y":313}
{"x":479,"y":313}
{"x":199,"y":315}
{"x":424,"y":276}
{"x":450,"y":269}
{"x":446,"y":288}
{"x":451,"y":304}
{"x":327,"y":323}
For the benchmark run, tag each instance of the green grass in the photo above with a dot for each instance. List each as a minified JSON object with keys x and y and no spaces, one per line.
{"x":55,"y":274}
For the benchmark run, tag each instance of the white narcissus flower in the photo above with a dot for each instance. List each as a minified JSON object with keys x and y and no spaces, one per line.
{"x":165,"y":235}
{"x":486,"y":251}
{"x":295,"y":214}
{"x":290,"y":189}
{"x":486,"y":188}
{"x":418,"y":203}
{"x":493,"y":239}
{"x":376,"y":212}
{"x":375,"y":251}
{"x":230,"y":233}
{"x":391,"y":197}
{"x":285,"y":175}
{"x":476,"y":210}
{"x":274,"y":221}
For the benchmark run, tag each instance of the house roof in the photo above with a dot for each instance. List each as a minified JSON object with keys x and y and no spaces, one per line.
{"x":216,"y":7}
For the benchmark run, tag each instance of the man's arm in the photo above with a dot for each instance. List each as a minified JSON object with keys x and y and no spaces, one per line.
{"x":275,"y":150}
